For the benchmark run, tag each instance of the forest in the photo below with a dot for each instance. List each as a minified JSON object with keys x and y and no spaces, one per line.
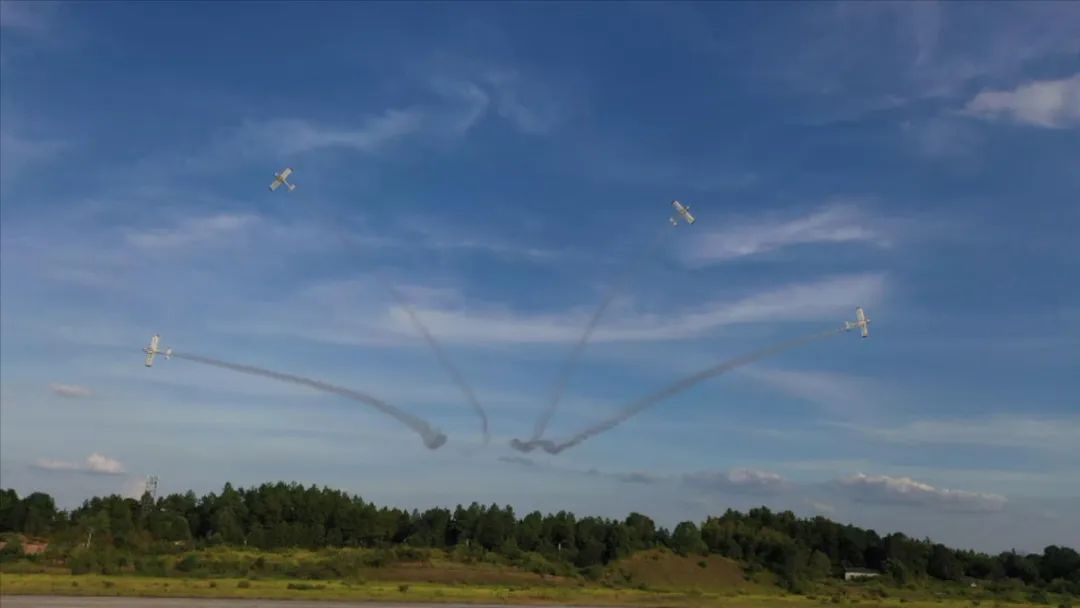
{"x":107,"y":534}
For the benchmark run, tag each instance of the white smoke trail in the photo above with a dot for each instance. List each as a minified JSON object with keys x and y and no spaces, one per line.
{"x":432,"y":437}
{"x":627,"y":412}
{"x":575,"y":354}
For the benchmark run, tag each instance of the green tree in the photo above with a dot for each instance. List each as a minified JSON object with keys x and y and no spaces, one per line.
{"x":12,"y":512}
{"x":39,"y":512}
{"x":819,"y":566}
{"x":687,"y":539}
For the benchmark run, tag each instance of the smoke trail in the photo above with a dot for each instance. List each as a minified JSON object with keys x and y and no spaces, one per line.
{"x":571,"y":361}
{"x":433,"y":439}
{"x":441,"y":355}
{"x":418,"y":324}
{"x":634,"y":408}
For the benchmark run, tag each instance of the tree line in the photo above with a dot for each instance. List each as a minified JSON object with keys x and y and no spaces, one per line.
{"x":279,"y":515}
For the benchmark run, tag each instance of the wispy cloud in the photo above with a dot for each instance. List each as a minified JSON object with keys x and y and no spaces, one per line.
{"x":328,"y":312}
{"x":529,"y":105}
{"x":72,"y":391}
{"x":839,"y":222}
{"x":290,"y":136}
{"x":17,"y":153}
{"x":904,"y":491}
{"x":192,"y":231}
{"x":742,"y":481}
{"x":457,"y":107}
{"x":1050,"y":104}
{"x":95,"y":464}
{"x":818,"y":300}
{"x":1060,"y":434}
{"x":920,"y":51}
{"x":836,"y":393}
{"x":34,"y":17}
{"x":751,"y":481}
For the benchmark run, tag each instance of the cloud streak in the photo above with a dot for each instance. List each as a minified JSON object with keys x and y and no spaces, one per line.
{"x":95,"y":464}
{"x":833,"y":223}
{"x":905,"y":491}
{"x":832,"y":296}
{"x":1049,"y":104}
{"x":71,"y":391}
{"x":1060,"y":434}
{"x":751,"y":481}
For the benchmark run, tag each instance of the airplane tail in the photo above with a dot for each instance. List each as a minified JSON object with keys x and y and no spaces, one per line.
{"x":292,"y":187}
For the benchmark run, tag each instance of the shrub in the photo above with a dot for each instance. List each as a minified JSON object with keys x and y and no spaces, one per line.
{"x":108,"y":584}
{"x":703,"y":564}
{"x":1039,"y":597}
{"x":593,"y":573}
{"x":243,"y":585}
{"x":305,"y":587}
{"x":403,"y":588}
{"x":189,"y":563}
{"x":213,"y":584}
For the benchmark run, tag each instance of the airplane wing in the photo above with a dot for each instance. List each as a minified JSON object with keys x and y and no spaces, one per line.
{"x":689,"y":218}
{"x":275,"y":185}
{"x":150,"y":359}
{"x":285,"y":174}
{"x":862,"y":321}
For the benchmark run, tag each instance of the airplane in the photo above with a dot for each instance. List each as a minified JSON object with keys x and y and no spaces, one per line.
{"x":861,"y":322}
{"x":153,"y":350}
{"x":279,"y":178}
{"x":684,"y":211}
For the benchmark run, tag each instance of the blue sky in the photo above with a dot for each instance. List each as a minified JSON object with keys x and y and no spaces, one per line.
{"x":502,"y":164}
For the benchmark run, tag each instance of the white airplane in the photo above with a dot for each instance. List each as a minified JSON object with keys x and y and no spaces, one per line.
{"x":683,"y":211}
{"x":279,"y":178}
{"x":861,"y":322}
{"x":154,"y":350}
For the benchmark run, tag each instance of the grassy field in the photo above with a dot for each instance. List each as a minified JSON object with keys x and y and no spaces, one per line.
{"x":656,"y":578}
{"x":139,"y":586}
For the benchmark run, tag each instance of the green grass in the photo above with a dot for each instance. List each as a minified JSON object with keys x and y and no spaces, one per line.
{"x":140,"y":586}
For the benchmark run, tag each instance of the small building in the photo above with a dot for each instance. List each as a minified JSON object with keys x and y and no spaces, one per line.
{"x":856,"y":573}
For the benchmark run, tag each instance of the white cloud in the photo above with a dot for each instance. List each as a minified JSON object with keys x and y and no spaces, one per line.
{"x":1052,"y":104}
{"x":528,"y":105}
{"x":882,"y":489}
{"x":70,"y":390}
{"x":459,"y":107}
{"x":17,"y":154}
{"x":836,"y":393}
{"x":95,"y":464}
{"x":828,"y":298}
{"x":191,"y":231}
{"x":749,"y":481}
{"x":1060,"y":434}
{"x":289,"y":136}
{"x":832,"y":223}
{"x":328,"y":312}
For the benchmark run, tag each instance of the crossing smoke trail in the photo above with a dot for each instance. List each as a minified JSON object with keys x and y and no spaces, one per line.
{"x":636,"y":407}
{"x":419,"y":325}
{"x":441,"y":355}
{"x":433,"y":439}
{"x":571,"y":361}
